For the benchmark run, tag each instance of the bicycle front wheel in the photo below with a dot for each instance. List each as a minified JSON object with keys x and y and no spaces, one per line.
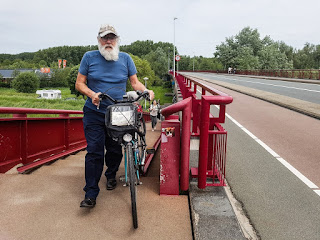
{"x":132,"y":183}
{"x":141,"y":144}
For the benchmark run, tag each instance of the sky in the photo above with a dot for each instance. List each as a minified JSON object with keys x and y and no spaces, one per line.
{"x":201,"y":25}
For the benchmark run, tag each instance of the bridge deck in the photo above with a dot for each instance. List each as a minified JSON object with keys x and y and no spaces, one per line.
{"x":45,"y":205}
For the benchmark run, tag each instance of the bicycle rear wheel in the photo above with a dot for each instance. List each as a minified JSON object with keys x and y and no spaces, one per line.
{"x":132,"y":183}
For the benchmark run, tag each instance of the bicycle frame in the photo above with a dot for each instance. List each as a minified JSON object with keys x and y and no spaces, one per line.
{"x":137,"y":161}
{"x":127,"y":126}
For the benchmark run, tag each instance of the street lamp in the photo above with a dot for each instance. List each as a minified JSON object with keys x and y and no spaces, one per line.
{"x":174,"y":48}
{"x":145,"y":84}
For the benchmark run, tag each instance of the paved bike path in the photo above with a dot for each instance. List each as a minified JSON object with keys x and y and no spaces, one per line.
{"x":45,"y":205}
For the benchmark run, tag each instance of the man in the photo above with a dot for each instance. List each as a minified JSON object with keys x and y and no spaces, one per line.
{"x":104,"y":70}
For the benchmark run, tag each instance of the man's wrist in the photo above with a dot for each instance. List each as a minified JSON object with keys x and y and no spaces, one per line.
{"x":92,"y":95}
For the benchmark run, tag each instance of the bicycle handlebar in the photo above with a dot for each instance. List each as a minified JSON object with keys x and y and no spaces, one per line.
{"x":126,"y":99}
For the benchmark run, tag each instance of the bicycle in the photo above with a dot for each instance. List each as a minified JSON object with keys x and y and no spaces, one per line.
{"x":127,"y":126}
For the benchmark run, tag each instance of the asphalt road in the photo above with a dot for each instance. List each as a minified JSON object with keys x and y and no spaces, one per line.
{"x":303,"y":91}
{"x":273,"y":163}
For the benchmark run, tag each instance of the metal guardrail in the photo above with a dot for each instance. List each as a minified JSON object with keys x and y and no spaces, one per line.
{"x":283,"y":73}
{"x":213,"y":137}
{"x":33,"y":141}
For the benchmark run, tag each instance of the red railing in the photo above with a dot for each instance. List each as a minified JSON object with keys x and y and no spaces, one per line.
{"x":285,"y":73}
{"x":213,"y":138}
{"x":33,"y":141}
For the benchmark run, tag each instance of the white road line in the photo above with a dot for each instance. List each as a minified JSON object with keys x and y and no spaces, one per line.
{"x":281,"y":160}
{"x":274,"y":85}
{"x":298,"y":174}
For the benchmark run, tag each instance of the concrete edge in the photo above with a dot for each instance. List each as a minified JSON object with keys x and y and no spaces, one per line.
{"x":244,"y":222}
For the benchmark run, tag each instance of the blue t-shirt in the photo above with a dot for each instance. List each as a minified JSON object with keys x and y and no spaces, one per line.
{"x":106,"y":76}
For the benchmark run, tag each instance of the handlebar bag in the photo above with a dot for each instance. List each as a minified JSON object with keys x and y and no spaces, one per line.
{"x":121,"y":119}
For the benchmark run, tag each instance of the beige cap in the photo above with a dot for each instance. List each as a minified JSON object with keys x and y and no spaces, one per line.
{"x":106,"y":29}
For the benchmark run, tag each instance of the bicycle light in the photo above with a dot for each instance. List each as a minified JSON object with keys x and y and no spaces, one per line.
{"x":127,"y":137}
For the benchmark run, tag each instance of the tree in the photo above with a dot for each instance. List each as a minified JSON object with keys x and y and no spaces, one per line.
{"x":59,"y":77}
{"x":15,"y":73}
{"x":247,"y":51}
{"x":26,"y":82}
{"x":246,"y":59}
{"x":158,"y":61}
{"x":272,"y":58}
{"x":143,"y":70}
{"x":72,"y":78}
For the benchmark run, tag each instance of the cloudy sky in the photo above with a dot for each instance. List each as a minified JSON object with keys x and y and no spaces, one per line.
{"x":28,"y":26}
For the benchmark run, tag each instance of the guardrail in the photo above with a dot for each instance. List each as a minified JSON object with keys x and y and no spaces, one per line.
{"x":213,"y":137}
{"x":286,"y":73}
{"x":33,"y":141}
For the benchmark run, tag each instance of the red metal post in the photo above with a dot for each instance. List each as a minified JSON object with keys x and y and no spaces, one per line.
{"x":185,"y":107}
{"x":204,"y":144}
{"x":169,"y":158}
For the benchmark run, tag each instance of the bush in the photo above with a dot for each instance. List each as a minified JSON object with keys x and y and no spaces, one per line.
{"x":72,"y":78}
{"x":59,"y":77}
{"x":4,"y":85}
{"x":167,"y":84}
{"x":26,"y":82}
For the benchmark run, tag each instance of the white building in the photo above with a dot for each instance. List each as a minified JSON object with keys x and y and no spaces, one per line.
{"x":49,"y":94}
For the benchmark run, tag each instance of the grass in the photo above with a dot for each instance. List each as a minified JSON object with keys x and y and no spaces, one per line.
{"x":12,"y":98}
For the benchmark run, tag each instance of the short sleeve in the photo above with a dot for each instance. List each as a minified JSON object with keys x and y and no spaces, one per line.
{"x":131,"y":67}
{"x":84,"y":66}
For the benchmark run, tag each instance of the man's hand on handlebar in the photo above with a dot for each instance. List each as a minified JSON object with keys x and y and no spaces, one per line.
{"x":95,"y":98}
{"x":151,"y":94}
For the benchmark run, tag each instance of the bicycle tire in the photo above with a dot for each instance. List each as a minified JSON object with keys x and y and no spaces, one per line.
{"x":142,"y":142}
{"x":132,"y":184}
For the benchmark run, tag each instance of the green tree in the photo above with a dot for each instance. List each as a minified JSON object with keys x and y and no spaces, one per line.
{"x":247,"y":51}
{"x":15,"y":73}
{"x":158,"y":61}
{"x":307,"y":57}
{"x":59,"y":77}
{"x":143,"y":70}
{"x":272,"y":58}
{"x":246,"y":59}
{"x":26,"y":82}
{"x":72,"y":78}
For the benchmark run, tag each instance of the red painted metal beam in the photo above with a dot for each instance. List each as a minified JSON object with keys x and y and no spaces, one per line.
{"x":150,"y":156}
{"x":35,"y":141}
{"x":185,"y":106}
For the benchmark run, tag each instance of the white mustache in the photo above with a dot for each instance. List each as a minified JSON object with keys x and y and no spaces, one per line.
{"x":109,"y":46}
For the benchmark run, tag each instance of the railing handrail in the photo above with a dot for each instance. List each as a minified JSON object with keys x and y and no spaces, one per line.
{"x":202,"y":122}
{"x":14,"y":110}
{"x":209,"y":89}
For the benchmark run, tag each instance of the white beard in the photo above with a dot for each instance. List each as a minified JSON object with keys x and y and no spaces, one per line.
{"x":109,"y":55}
